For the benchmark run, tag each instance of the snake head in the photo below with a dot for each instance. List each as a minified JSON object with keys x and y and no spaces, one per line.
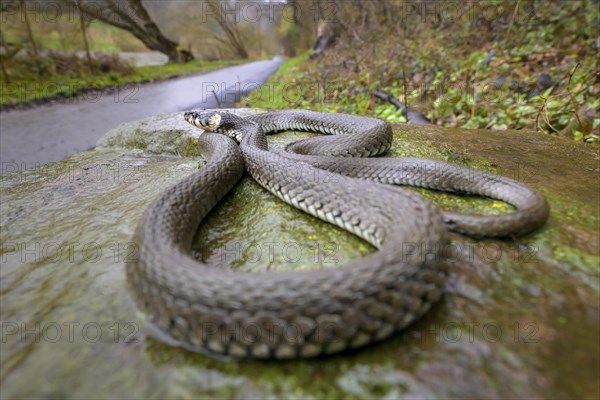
{"x":210,"y":121}
{"x":219,"y":122}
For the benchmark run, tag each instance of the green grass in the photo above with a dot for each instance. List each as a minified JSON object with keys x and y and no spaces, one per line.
{"x":32,"y":81}
{"x":279,"y":92}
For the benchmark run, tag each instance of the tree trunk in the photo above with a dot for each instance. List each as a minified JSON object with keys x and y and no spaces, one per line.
{"x":157,"y":39}
{"x":29,"y":30}
{"x":291,"y":29}
{"x":84,"y":34}
{"x":328,"y":33}
{"x":133,"y":17}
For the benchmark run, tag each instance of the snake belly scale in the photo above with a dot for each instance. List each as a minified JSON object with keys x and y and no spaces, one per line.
{"x":311,"y":313}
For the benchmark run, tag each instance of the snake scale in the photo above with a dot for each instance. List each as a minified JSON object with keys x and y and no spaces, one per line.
{"x":311,"y":313}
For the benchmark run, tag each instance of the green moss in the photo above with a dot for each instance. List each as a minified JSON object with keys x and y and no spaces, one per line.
{"x":138,"y":140}
{"x":267,"y":234}
{"x":188,"y":147}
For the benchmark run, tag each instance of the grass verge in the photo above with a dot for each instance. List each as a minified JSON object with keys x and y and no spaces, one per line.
{"x":37,"y":81}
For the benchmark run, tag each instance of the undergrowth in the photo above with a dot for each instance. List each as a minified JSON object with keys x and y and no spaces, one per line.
{"x":536,"y":69}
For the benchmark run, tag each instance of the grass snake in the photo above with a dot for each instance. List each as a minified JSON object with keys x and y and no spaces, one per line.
{"x":310,"y":313}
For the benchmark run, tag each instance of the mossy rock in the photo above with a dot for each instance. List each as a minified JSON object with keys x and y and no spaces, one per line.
{"x":519,"y":317}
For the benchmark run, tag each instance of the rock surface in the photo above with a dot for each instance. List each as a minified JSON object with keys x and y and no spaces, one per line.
{"x":519,"y":319}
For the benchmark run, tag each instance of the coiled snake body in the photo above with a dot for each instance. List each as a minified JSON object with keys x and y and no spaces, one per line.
{"x":305,"y":314}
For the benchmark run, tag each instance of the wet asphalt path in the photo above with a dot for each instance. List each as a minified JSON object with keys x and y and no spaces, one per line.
{"x":50,"y":133}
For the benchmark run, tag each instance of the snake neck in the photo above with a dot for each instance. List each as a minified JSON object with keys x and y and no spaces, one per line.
{"x":253,"y":137}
